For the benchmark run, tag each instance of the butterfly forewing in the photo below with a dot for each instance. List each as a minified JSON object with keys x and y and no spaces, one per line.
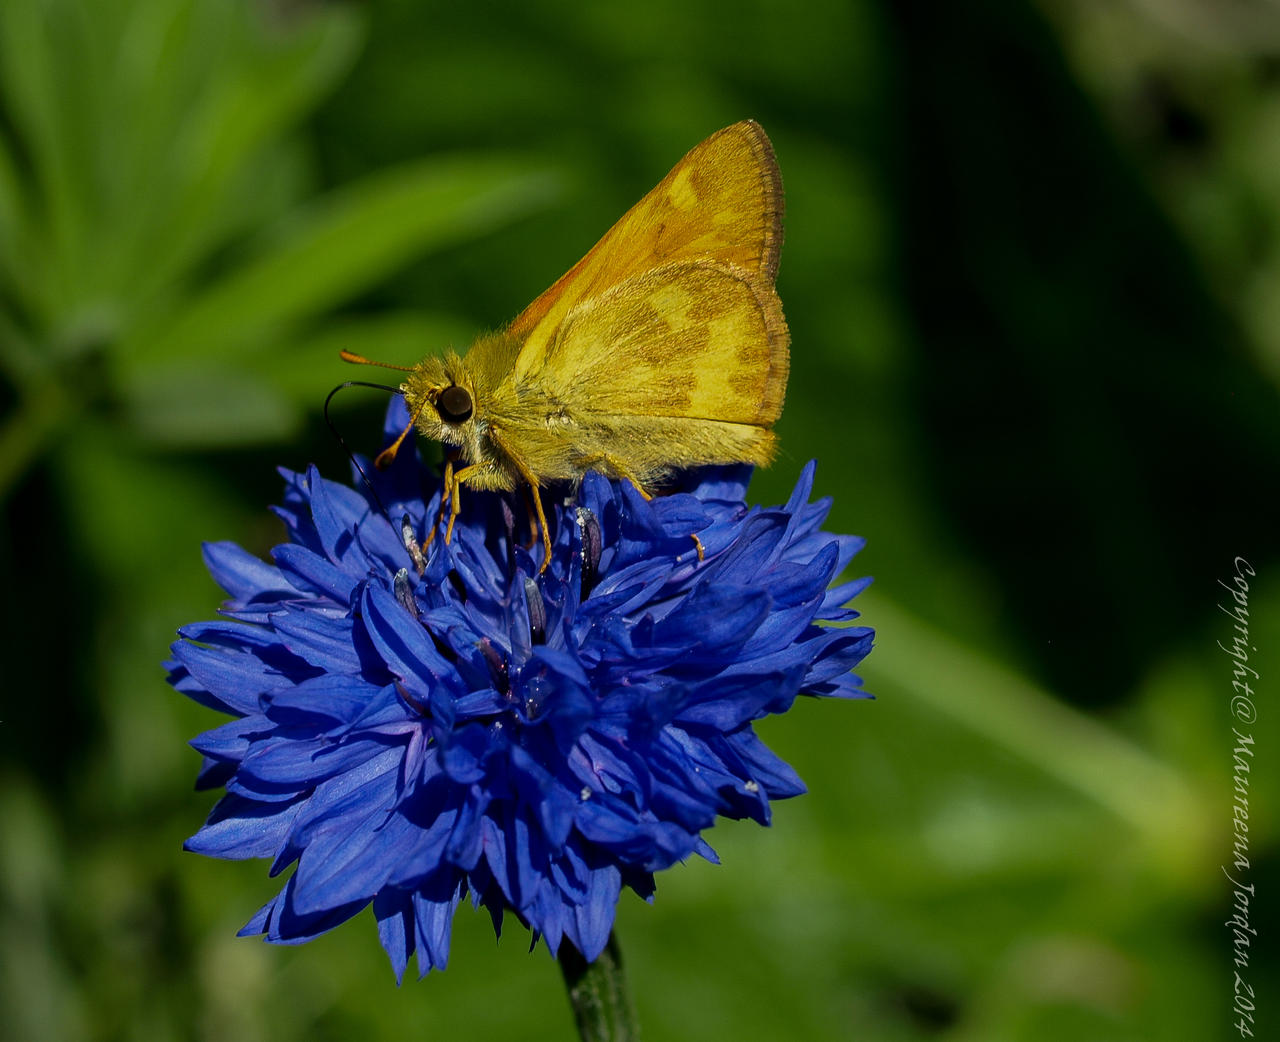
{"x":721,"y":202}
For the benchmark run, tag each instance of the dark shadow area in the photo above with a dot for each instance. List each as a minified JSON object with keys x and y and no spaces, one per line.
{"x":1097,"y":429}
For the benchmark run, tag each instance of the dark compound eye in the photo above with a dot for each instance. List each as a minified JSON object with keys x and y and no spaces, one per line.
{"x":454,"y":404}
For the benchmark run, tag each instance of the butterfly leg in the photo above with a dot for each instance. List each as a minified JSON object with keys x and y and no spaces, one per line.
{"x":455,"y":499}
{"x":530,"y":479}
{"x":638,"y":487}
{"x":447,"y":490}
{"x":542,"y":523}
{"x":455,"y":508}
{"x":387,"y":456}
{"x":611,"y":464}
{"x":614,"y":467}
{"x":533,"y":518}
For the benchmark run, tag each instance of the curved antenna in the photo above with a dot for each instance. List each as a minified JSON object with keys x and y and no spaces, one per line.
{"x":387,"y":456}
{"x":347,"y":448}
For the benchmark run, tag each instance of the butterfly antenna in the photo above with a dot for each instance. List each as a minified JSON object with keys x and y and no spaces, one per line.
{"x":355,"y":359}
{"x":384,"y":458}
{"x":347,"y":448}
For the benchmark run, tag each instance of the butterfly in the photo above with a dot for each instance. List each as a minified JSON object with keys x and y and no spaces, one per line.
{"x":664,"y":348}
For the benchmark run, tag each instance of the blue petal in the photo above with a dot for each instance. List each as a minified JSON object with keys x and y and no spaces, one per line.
{"x":402,"y":642}
{"x":243,"y":575}
{"x":763,"y":766}
{"x":726,"y":485}
{"x":726,"y":703}
{"x":232,"y":740}
{"x":343,"y":794}
{"x":350,"y":861}
{"x":715,"y":621}
{"x":394,"y":911}
{"x":285,"y":762}
{"x":230,"y":681}
{"x":433,"y":918}
{"x":337,"y":512}
{"x":322,"y":641}
{"x":240,"y":828}
{"x":433,"y":830}
{"x":308,"y":570}
{"x":285,"y":925}
{"x":593,"y":920}
{"x":320,"y":703}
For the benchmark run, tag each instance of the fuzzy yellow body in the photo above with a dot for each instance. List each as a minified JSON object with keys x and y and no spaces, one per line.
{"x":665,"y":347}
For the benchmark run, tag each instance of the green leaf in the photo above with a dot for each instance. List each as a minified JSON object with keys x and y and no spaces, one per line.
{"x":146,"y":123}
{"x":347,"y":242}
{"x":188,"y":405}
{"x":15,"y":246}
{"x":10,"y":200}
{"x":210,"y":145}
{"x":38,"y":102}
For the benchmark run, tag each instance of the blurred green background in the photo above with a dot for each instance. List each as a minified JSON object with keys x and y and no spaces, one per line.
{"x":1031,"y":273}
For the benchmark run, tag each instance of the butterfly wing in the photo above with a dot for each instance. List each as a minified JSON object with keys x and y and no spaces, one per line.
{"x":722,"y":202}
{"x":695,"y":340}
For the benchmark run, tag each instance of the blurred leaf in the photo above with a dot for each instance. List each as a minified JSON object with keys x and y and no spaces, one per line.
{"x":160,"y":224}
{"x":345,"y":243}
{"x":189,"y":404}
{"x":989,"y":698}
{"x":141,"y":161}
{"x":10,"y":198}
{"x":185,"y":404}
{"x":208,"y":148}
{"x":308,"y":369}
{"x":38,"y":103}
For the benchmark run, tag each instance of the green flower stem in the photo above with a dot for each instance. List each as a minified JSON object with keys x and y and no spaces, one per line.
{"x":27,"y":431}
{"x":598,"y":992}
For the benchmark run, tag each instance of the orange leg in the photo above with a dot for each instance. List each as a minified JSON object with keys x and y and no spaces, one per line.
{"x":615,"y":467}
{"x":455,"y":500}
{"x":531,"y":512}
{"x":387,"y":456}
{"x":542,"y":523}
{"x":446,"y":493}
{"x":531,"y":480}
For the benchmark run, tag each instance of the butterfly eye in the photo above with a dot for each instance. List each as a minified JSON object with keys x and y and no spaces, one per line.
{"x":454,"y":404}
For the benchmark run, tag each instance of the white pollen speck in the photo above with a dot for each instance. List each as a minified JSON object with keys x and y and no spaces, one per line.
{"x":585,"y":794}
{"x":751,"y":786}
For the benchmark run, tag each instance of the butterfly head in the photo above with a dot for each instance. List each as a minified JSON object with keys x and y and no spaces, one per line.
{"x":441,"y":397}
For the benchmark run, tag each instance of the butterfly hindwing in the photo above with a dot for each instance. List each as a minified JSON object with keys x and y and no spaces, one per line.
{"x":693,"y":339}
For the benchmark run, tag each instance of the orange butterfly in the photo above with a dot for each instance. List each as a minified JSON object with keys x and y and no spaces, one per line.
{"x":665,"y":347}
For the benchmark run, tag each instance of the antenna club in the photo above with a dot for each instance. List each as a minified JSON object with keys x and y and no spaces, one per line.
{"x":355,"y":359}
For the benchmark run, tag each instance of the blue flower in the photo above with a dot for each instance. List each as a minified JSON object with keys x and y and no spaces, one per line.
{"x":533,"y":741}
